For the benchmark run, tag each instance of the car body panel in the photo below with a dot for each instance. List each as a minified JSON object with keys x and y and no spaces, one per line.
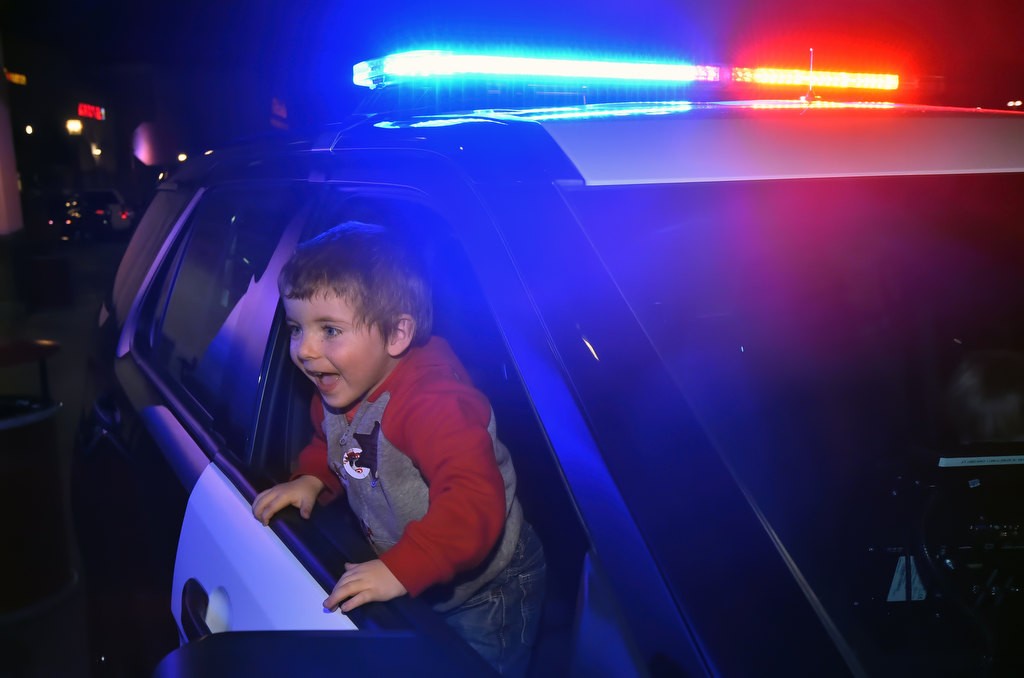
{"x":187,"y":458}
{"x":277,"y":595}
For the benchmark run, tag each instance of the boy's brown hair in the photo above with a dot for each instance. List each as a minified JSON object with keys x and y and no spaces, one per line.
{"x":375,"y":269}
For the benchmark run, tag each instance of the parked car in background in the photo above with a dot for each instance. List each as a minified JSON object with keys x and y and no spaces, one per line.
{"x":96,"y":214}
{"x":719,"y":339}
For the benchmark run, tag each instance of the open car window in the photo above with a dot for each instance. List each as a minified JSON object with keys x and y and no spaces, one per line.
{"x":463,"y":317}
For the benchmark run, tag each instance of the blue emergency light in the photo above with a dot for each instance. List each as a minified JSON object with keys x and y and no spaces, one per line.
{"x":438,"y":65}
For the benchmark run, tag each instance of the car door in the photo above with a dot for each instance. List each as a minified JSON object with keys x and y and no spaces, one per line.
{"x":201,"y":334}
{"x":201,"y":330}
{"x":209,"y":338}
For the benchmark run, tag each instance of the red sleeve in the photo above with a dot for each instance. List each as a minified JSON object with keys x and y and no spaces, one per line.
{"x":444,"y":432}
{"x":313,"y":457}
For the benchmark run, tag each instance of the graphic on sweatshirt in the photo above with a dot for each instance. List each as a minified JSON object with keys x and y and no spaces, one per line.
{"x":361,"y":459}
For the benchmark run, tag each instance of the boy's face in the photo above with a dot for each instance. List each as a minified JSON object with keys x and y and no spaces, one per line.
{"x":344,"y":359}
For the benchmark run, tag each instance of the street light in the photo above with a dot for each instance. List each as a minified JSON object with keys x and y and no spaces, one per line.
{"x":28,"y":129}
{"x":74,"y":127}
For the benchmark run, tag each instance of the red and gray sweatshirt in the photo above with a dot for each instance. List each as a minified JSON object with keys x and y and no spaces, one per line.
{"x":425,"y":474}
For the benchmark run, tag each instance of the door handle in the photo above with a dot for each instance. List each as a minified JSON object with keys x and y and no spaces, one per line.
{"x":194,"y":604}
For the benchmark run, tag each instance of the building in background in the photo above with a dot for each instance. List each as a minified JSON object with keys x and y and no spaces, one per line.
{"x":72,"y":124}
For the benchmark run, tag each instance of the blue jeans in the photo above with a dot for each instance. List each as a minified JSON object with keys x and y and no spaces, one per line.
{"x":500,"y":621}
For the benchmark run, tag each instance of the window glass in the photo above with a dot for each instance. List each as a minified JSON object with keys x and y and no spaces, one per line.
{"x":836,"y":339}
{"x":156,"y":223}
{"x":216,"y":301}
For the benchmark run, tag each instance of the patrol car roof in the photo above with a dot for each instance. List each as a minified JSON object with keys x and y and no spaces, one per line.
{"x":680,"y":142}
{"x":757,"y":141}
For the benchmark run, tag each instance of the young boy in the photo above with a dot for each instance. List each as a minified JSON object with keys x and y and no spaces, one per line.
{"x":400,"y":429}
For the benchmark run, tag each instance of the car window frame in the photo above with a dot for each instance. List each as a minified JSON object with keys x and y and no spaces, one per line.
{"x":156,"y":293}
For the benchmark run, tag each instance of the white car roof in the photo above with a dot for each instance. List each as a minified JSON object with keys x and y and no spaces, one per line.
{"x":743,"y":141}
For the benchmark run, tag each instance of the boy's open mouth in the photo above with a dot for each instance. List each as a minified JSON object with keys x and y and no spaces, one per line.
{"x":324,"y":379}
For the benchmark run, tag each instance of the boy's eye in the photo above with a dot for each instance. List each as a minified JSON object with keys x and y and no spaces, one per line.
{"x":332,"y":332}
{"x":294,"y":330}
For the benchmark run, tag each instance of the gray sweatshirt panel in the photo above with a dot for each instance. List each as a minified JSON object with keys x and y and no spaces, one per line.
{"x":386,"y":491}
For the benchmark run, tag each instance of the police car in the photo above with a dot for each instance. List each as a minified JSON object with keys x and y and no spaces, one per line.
{"x":724,"y":340}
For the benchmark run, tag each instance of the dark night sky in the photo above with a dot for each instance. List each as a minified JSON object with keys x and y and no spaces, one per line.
{"x":934,"y":33}
{"x":222,"y":57}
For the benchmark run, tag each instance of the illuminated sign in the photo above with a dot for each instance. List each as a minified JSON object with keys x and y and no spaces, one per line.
{"x":91,"y":111}
{"x":16,"y":78}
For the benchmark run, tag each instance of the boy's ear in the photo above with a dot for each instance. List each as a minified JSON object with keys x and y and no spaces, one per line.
{"x":401,"y":337}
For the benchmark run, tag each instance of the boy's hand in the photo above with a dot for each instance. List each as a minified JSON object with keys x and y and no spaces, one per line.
{"x":364,"y":583}
{"x":300,"y":493}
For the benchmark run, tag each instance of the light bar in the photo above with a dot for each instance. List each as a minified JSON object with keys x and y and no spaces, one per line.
{"x":781,"y":76}
{"x":442,"y":64}
{"x":439,"y":65}
{"x":782,"y":105}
